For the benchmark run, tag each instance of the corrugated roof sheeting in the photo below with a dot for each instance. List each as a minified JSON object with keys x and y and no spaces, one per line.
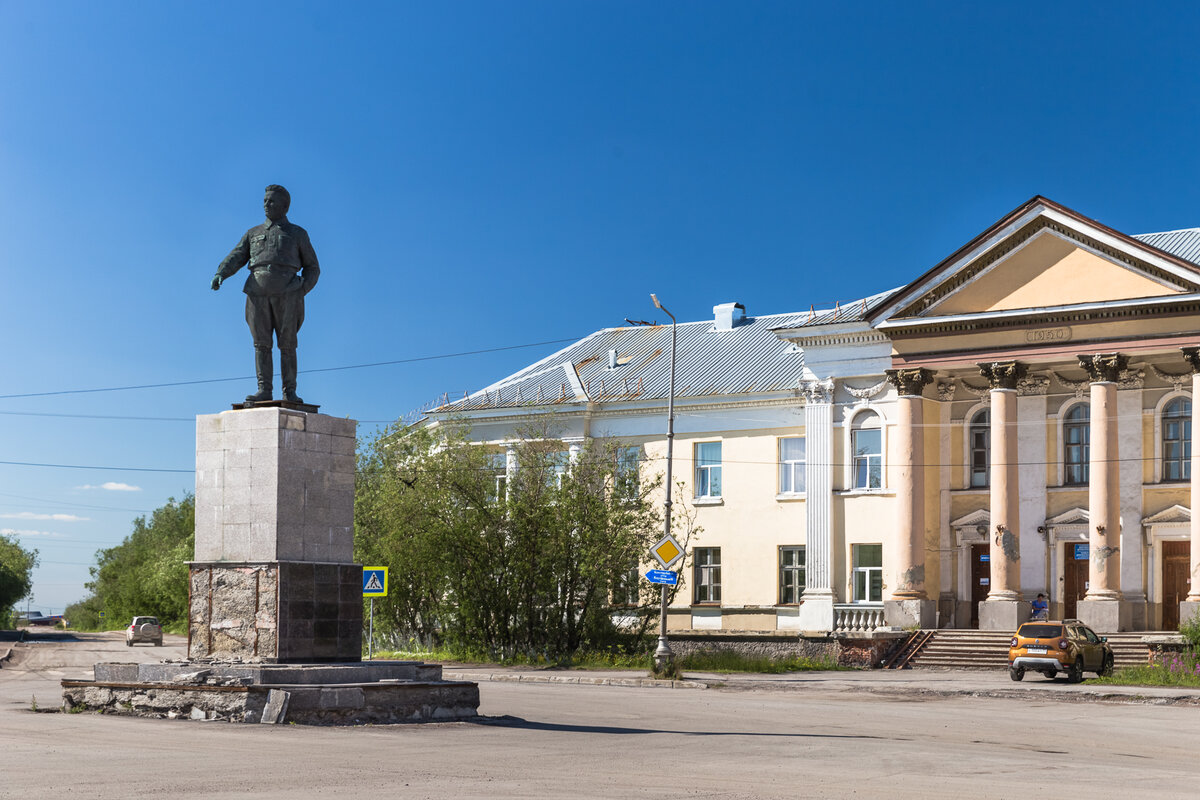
{"x":1183,"y":243}
{"x":852,"y":311}
{"x":748,"y":358}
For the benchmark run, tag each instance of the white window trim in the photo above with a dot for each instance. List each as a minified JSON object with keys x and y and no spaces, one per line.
{"x":779,"y":465}
{"x":848,"y":449}
{"x":1159,"y":408}
{"x":854,"y":570}
{"x":779,"y":577}
{"x":967,"y":425}
{"x":707,"y":499}
{"x":1060,"y":422}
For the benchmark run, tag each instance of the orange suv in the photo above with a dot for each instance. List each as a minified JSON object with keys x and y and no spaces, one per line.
{"x":1051,"y":647}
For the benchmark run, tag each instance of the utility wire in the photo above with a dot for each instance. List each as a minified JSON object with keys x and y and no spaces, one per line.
{"x":305,"y":371}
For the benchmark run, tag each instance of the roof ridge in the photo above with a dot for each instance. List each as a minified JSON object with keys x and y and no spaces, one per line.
{"x":1160,"y":233}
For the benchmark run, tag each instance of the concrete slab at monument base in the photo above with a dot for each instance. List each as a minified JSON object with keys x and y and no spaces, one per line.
{"x":910,"y":613}
{"x":1002,"y":615}
{"x":325,"y":694}
{"x":1104,"y":616}
{"x":278,"y":611}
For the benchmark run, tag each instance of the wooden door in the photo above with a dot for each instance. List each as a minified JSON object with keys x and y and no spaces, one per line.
{"x":1176,"y":581}
{"x":981,"y":578}
{"x":1075,"y":576}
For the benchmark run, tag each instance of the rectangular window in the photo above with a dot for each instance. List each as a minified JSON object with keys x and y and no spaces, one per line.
{"x":791,"y":574}
{"x":559,"y":462}
{"x":498,"y":466}
{"x":867,"y":578}
{"x":626,"y":477}
{"x":868,"y":458}
{"x":708,"y":469}
{"x":706,"y":570}
{"x":791,"y":465}
{"x":625,"y":590}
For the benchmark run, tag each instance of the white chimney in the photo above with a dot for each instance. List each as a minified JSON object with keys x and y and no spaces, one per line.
{"x":727,"y":316}
{"x":612,"y":359}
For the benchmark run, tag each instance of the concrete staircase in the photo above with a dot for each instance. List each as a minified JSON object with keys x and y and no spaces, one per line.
{"x":971,"y":649}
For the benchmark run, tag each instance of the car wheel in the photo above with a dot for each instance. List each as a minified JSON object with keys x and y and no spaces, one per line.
{"x":158,"y":643}
{"x":1106,"y":668}
{"x":1075,"y":673}
{"x":1049,"y":674}
{"x":1016,"y":673}
{"x":129,"y":643}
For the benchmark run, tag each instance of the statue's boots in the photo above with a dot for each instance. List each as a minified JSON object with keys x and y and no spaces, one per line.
{"x":264,"y":368}
{"x":287,"y":372}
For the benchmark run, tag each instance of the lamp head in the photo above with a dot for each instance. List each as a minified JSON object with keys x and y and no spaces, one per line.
{"x":654,"y":298}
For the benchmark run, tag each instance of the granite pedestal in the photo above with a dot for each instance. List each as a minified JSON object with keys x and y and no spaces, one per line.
{"x":274,"y":577}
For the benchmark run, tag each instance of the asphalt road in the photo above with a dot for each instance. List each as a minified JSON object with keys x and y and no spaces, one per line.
{"x":549,"y":740}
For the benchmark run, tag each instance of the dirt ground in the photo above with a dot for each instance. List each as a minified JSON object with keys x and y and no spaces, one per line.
{"x":834,"y":738}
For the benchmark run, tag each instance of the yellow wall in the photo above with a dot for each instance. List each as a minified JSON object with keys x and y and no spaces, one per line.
{"x":1049,"y":271}
{"x":751,"y":524}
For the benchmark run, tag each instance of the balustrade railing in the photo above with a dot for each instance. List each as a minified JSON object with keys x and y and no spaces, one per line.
{"x":857,"y":617}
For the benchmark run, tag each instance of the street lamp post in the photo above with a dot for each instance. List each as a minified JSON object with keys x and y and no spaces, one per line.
{"x":663,"y":657}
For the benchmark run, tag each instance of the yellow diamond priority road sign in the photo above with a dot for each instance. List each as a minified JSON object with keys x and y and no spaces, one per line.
{"x":667,"y":551}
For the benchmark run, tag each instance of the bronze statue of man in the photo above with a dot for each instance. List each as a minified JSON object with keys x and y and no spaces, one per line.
{"x":283,"y":268}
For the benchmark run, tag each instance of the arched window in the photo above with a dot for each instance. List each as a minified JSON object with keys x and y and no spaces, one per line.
{"x":1077,"y":436}
{"x":1177,"y":440}
{"x":866,"y":444}
{"x":981,"y":448}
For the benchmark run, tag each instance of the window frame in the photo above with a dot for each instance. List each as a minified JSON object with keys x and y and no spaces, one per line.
{"x":793,"y":577}
{"x":1076,"y":418}
{"x":706,"y":576}
{"x":793,"y":469}
{"x":871,"y":574}
{"x":1183,"y":460}
{"x":976,"y":430}
{"x":862,"y":423}
{"x":704,"y":472}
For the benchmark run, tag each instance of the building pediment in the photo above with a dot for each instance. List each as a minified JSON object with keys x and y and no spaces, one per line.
{"x":1042,"y":257}
{"x":1176,"y":514}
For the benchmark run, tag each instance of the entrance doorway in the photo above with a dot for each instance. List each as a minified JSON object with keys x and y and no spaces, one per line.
{"x":981,"y":578}
{"x":1176,"y":581}
{"x":1075,"y":576}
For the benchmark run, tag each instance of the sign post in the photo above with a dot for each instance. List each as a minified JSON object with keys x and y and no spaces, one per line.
{"x":375,"y":582}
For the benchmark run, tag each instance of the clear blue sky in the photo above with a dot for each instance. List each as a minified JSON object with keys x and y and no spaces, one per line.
{"x":482,"y":175}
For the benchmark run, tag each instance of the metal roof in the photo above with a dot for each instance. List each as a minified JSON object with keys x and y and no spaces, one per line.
{"x":1183,"y":243}
{"x":749,"y":358}
{"x":853,"y":311}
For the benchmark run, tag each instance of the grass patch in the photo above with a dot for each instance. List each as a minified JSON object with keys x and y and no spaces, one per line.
{"x":1172,"y":669}
{"x":721,"y":661}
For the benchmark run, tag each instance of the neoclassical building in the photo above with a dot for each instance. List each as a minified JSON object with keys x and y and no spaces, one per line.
{"x":1015,"y":421}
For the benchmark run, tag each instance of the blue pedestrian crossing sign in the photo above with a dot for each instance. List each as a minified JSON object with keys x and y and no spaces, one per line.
{"x":375,"y":581}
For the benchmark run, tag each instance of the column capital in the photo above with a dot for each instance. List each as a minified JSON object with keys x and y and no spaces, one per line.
{"x":817,"y":391}
{"x":1104,"y":367}
{"x":1192,"y":356}
{"x":910,"y":381}
{"x":1002,"y":374}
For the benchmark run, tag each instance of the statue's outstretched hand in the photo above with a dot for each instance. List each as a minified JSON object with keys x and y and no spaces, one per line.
{"x":216,"y":282}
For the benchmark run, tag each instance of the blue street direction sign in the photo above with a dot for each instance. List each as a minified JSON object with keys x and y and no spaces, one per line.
{"x":663,"y":576}
{"x":375,"y":581}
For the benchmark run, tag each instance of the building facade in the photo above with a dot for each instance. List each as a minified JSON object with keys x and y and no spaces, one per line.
{"x":1016,"y":421}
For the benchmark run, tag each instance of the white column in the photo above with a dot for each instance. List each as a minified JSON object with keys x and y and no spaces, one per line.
{"x":1129,"y":434}
{"x":1191,"y":605}
{"x":1031,"y":450}
{"x":1101,"y":608}
{"x":1003,"y":610}
{"x":816,"y":608}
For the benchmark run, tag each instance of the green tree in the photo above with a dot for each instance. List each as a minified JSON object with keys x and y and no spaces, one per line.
{"x":538,"y":562}
{"x":16,"y":575}
{"x":145,"y":574}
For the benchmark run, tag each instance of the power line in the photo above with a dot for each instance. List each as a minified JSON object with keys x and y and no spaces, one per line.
{"x":305,"y":371}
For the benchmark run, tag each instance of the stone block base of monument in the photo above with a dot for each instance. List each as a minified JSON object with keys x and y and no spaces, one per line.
{"x":275,"y":602}
{"x":280,"y":611}
{"x":328,"y":694}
